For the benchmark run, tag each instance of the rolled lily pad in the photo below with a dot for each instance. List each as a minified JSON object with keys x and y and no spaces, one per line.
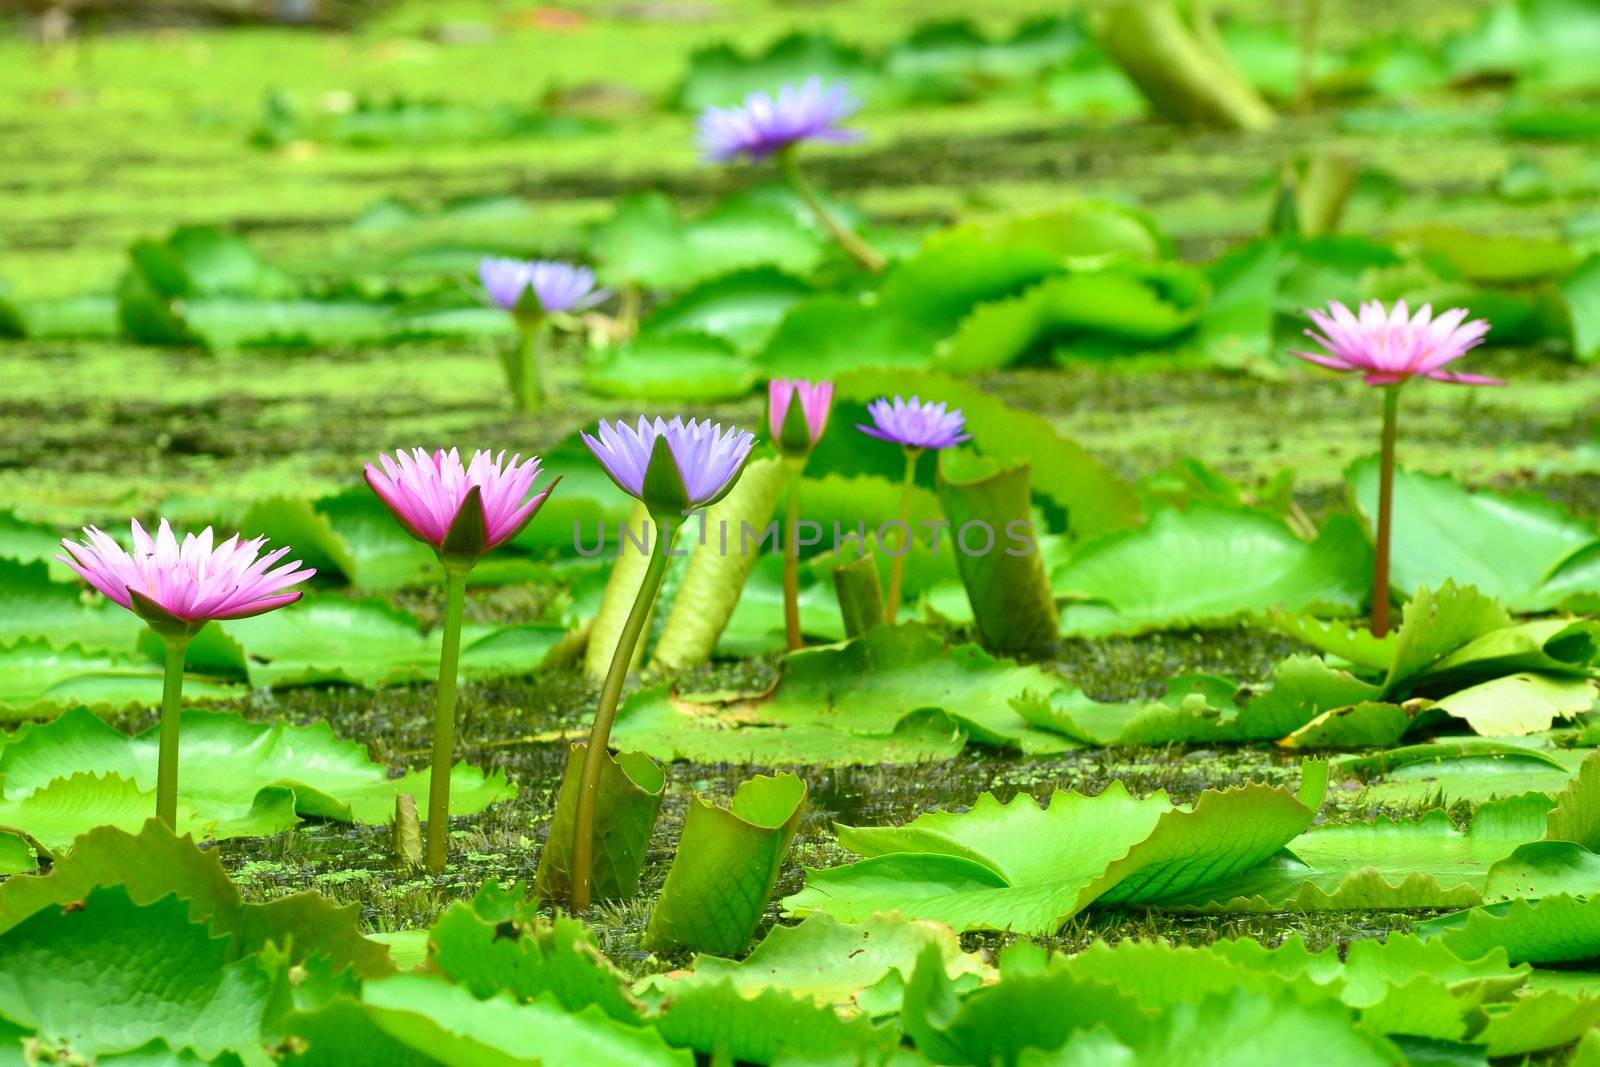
{"x":705,"y":599}
{"x":726,"y":866}
{"x":1012,"y":604}
{"x":631,"y":789}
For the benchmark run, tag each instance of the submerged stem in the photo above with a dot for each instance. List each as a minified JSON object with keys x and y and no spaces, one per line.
{"x":1380,"y":562}
{"x":444,"y":719}
{"x":846,"y":238}
{"x":606,"y":714}
{"x":171,"y":720}
{"x":791,"y":564}
{"x":897,"y":567}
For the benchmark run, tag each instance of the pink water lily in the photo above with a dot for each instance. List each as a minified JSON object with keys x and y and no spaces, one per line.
{"x":816,"y":398}
{"x":1387,"y":347}
{"x":426,"y":492}
{"x":193,"y":581}
{"x":177,"y":588}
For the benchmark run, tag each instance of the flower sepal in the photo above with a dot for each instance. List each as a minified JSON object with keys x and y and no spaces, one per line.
{"x":529,"y":310}
{"x":167,"y":626}
{"x":794,"y":436}
{"x":467,"y":539}
{"x":664,"y":491}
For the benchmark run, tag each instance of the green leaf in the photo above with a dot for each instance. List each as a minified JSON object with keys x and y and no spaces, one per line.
{"x":172,"y":981}
{"x":226,"y":764}
{"x":1130,"y":306}
{"x":1205,"y":565}
{"x":654,"y":721}
{"x":499,"y":943}
{"x":862,"y":967}
{"x":726,"y":866}
{"x":769,"y":1025}
{"x":629,"y":799}
{"x":449,"y":1024}
{"x":1581,"y":292}
{"x":1520,"y":704}
{"x":31,"y":605}
{"x":1027,"y":868}
{"x":1010,"y":594}
{"x":155,"y":863}
{"x":720,"y":76}
{"x":954,"y":271}
{"x":742,"y":308}
{"x":1444,"y":773}
{"x":1576,"y":816}
{"x":1202,"y":708}
{"x":680,"y":366}
{"x":826,"y":336}
{"x":1435,"y":624}
{"x":1425,"y":862}
{"x":1556,"y":929}
{"x":1031,"y":1007}
{"x":1508,"y":546}
{"x":39,"y":679}
{"x":368,"y":643}
{"x":647,"y":243}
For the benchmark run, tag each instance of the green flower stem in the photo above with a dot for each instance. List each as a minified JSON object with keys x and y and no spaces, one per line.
{"x":846,"y":238}
{"x":1380,"y":562}
{"x":791,"y":563}
{"x":444,"y":719}
{"x":171,"y":719}
{"x":606,"y":714}
{"x":897,"y":568}
{"x":531,"y":355}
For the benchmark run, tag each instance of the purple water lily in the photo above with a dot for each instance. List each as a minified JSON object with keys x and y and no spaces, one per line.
{"x":915,"y":423}
{"x":764,"y":125}
{"x":556,"y":285}
{"x":672,"y":467}
{"x":704,"y":454}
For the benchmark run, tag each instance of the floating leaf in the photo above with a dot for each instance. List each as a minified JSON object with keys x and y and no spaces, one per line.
{"x":447,"y":1023}
{"x":1207,"y":564}
{"x":39,"y":679}
{"x":154,"y":864}
{"x":1509,"y":547}
{"x":742,"y":308}
{"x":1137,"y":307}
{"x":227,"y":765}
{"x":1027,"y":868}
{"x":172,"y":984}
{"x":500,"y":943}
{"x":860,"y":967}
{"x":671,"y":367}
